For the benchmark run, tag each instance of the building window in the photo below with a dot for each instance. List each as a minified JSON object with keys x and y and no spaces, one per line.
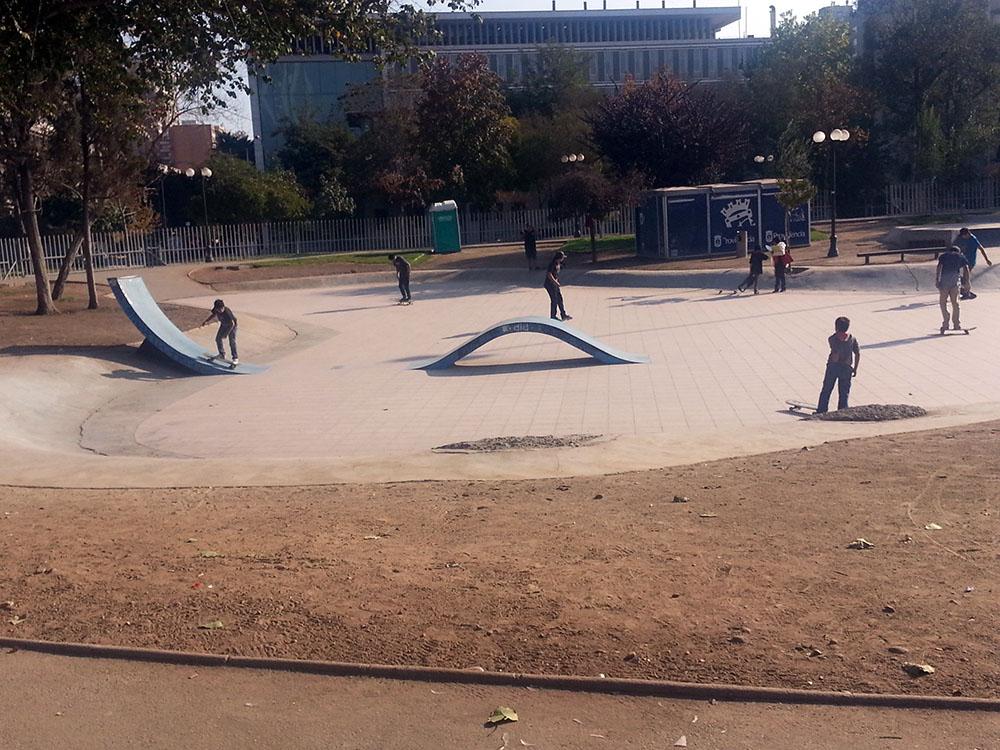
{"x":690,"y":64}
{"x":616,"y":65}
{"x":676,"y":67}
{"x":704,"y":63}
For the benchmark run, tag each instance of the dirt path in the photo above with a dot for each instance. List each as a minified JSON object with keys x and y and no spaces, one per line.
{"x":749,"y":582}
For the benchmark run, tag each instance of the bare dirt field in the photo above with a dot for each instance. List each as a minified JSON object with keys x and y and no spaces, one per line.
{"x":75,"y":325}
{"x":749,"y":581}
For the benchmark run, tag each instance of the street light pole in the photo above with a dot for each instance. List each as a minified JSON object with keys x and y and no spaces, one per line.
{"x":837,"y":135}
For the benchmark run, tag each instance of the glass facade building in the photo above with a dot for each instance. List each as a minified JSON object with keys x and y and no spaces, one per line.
{"x":617,"y":45}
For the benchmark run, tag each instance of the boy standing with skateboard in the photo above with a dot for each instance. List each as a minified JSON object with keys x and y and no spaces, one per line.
{"x":844,"y":351}
{"x":952,"y":275}
{"x":227,"y":329}
{"x":403,"y":275}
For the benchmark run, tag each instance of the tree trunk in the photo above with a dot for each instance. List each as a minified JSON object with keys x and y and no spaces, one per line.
{"x":67,"y":266}
{"x":29,"y":222}
{"x":88,"y":254}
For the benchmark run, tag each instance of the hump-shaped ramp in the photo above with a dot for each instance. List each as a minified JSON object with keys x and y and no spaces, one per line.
{"x":534,"y":324}
{"x":140,"y":307}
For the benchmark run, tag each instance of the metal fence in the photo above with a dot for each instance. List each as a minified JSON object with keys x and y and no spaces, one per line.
{"x":915,"y":199}
{"x":234,"y":242}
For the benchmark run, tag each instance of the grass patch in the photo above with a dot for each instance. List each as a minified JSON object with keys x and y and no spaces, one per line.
{"x":370,"y":259}
{"x":817,"y":236}
{"x":614,"y":243}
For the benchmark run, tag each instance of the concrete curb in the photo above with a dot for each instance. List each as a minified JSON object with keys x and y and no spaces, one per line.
{"x":612,"y":686}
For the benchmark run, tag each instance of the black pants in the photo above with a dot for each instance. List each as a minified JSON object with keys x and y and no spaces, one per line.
{"x":555,"y":301}
{"x":532,"y":257}
{"x":839,"y":375}
{"x":221,"y":336}
{"x":749,"y":281}
{"x":404,"y":287}
{"x":779,"y":279}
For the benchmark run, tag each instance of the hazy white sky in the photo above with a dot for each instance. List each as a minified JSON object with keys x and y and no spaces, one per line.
{"x":756,"y":21}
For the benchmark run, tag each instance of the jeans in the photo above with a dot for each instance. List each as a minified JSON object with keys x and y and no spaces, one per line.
{"x":839,"y":375}
{"x":404,"y":287}
{"x":221,"y":335}
{"x":555,"y":301}
{"x":779,"y":279}
{"x":750,"y":280}
{"x":950,"y":293}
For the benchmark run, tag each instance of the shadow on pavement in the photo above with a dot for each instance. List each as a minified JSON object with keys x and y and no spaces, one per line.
{"x":145,"y":367}
{"x":459,"y":371}
{"x":900,"y":342}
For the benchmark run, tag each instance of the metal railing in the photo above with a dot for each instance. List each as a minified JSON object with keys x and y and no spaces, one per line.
{"x":235,"y":242}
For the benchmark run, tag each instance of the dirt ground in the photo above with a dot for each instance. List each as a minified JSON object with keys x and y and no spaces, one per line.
{"x":854,"y":237}
{"x":75,"y":325}
{"x":749,"y":581}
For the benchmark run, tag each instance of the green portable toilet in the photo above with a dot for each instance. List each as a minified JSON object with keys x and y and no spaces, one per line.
{"x":444,"y":227}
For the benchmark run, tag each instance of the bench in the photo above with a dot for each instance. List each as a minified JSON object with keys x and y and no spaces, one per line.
{"x":935,"y":251}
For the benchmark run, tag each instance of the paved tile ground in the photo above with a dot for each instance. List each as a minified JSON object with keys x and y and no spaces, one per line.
{"x":720,"y":364}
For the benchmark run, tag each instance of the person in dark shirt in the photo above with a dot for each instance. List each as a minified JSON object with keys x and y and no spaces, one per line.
{"x":403,"y":276}
{"x":952,"y":275}
{"x":227,"y":329}
{"x":757,"y":258}
{"x":841,"y":366}
{"x":554,"y":288}
{"x":530,"y":247}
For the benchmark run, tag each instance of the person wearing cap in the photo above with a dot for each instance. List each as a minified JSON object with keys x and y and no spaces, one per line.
{"x":757,"y":258}
{"x":952,"y":276}
{"x":970,"y":246}
{"x":782,"y":260}
{"x":227,"y":329}
{"x":554,"y":288}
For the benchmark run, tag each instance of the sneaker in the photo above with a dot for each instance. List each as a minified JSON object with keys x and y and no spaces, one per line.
{"x":555,"y":317}
{"x":236,"y":360}
{"x":567,"y":317}
{"x":944,"y":328}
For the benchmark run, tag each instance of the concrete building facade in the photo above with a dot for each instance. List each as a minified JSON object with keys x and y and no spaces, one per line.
{"x":618,"y":45}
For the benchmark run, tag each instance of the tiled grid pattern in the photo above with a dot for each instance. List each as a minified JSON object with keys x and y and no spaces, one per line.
{"x":719,"y":364}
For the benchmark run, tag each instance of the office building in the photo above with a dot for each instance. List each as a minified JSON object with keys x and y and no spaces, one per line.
{"x":618,"y":44}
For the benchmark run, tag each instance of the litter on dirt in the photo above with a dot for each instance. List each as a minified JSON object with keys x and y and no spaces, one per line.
{"x":501,"y":715}
{"x":682,"y":742}
{"x":918,"y":670}
{"x":932,"y":527}
{"x":860,"y":543}
{"x":210,"y":553}
{"x":211,"y":625}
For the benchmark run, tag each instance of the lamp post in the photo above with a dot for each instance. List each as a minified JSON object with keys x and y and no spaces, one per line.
{"x":205,"y":174}
{"x":837,"y":135}
{"x":760,"y":160}
{"x":164,"y":170}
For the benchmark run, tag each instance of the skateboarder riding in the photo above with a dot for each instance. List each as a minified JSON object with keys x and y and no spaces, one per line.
{"x":227,"y":329}
{"x":952,"y":275}
{"x":403,"y":274}
{"x":554,"y":288}
{"x":839,"y":369}
{"x":970,"y":246}
{"x":757,"y":258}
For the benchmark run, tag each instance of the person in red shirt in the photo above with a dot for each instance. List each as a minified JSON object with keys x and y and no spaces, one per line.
{"x":782,"y":260}
{"x":841,"y":366}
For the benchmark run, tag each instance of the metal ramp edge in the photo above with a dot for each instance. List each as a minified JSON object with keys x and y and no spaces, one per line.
{"x":536,"y":324}
{"x":145,"y":314}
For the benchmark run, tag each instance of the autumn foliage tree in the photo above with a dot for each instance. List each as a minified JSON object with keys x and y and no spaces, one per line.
{"x":673,"y":132}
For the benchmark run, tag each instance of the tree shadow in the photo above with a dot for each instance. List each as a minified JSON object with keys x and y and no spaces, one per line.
{"x":649,"y":300}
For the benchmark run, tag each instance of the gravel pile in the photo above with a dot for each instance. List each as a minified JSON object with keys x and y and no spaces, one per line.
{"x":873,"y":413}
{"x":527,"y":442}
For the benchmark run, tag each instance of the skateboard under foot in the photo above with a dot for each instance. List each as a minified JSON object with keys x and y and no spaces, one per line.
{"x":966,"y":331}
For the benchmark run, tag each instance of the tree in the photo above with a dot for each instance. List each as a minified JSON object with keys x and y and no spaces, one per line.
{"x":670,"y":131}
{"x":583,"y":190}
{"x":167,"y":47}
{"x":795,"y":187}
{"x":238,"y":144}
{"x":315,"y":153}
{"x":554,"y":82}
{"x":237,"y":192}
{"x":934,"y":66}
{"x":464,"y":128}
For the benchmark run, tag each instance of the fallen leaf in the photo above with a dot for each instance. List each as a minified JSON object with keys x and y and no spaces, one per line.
{"x":371,"y":537}
{"x":210,"y":553}
{"x":211,"y":625}
{"x":682,"y":742}
{"x":933,"y":527}
{"x":501,"y":715}
{"x":17,"y":620}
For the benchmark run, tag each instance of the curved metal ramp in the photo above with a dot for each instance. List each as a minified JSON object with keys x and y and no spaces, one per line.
{"x":536,"y":324}
{"x":140,"y":307}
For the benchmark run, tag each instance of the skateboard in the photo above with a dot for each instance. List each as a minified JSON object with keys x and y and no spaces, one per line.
{"x":216,"y":360}
{"x":405,"y":302}
{"x":966,"y":331}
{"x":797,"y":406}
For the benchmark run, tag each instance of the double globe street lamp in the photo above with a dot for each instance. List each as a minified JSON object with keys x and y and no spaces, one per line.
{"x":837,"y":135}
{"x":205,"y":174}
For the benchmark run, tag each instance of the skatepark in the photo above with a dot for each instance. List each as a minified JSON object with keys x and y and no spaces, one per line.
{"x":384,"y":545}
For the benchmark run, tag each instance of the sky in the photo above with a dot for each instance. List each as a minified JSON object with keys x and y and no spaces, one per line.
{"x":756,"y":22}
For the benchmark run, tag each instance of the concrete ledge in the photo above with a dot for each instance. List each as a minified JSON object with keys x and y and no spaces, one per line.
{"x":615,"y":686}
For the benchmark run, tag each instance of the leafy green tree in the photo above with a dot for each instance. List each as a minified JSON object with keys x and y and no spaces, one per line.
{"x":237,"y":192}
{"x":315,"y":153}
{"x":670,"y":131}
{"x":464,"y":128}
{"x":934,"y":66}
{"x":555,"y":81}
{"x":583,"y":191}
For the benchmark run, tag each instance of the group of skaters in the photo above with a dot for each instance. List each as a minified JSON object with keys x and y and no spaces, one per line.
{"x":781,"y":260}
{"x":953,"y":281}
